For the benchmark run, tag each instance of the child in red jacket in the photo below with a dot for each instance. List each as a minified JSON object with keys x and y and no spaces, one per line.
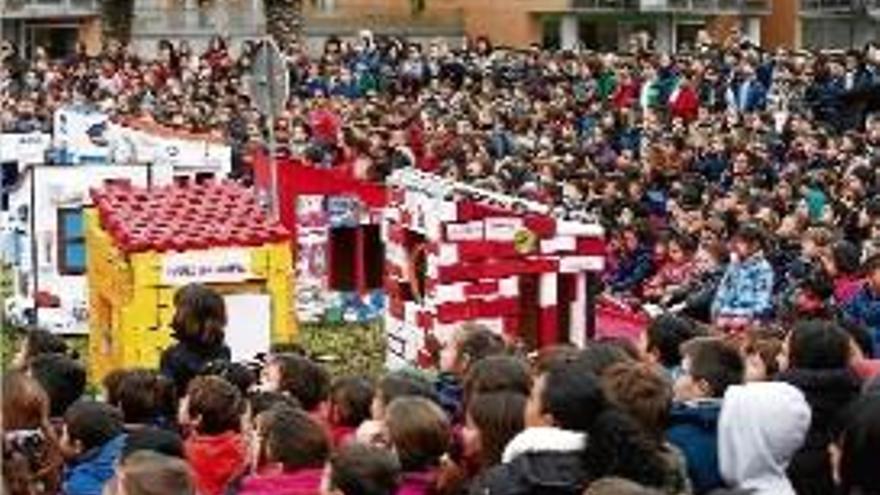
{"x":684,"y":102}
{"x":215,"y":449}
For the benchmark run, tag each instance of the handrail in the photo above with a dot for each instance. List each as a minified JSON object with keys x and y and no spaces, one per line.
{"x":839,"y":6}
{"x":681,"y":6}
{"x":44,"y":8}
{"x":404,"y":20}
{"x":190,"y":20}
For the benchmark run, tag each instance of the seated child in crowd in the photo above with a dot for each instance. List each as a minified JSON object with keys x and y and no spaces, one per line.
{"x":864,"y":307}
{"x":709,"y":366}
{"x":37,"y":342}
{"x":238,"y":374}
{"x":211,"y":413}
{"x":62,"y":377}
{"x":291,"y":449}
{"x":31,"y":460}
{"x":145,"y":397}
{"x":392,"y":386}
{"x":760,"y":428}
{"x":501,"y":373}
{"x":661,"y":342}
{"x":642,"y":391}
{"x":350,"y":400}
{"x":300,"y":377}
{"x":91,"y":442}
{"x":154,"y":439}
{"x":470,"y":344}
{"x":150,"y":473}
{"x":360,"y":469}
{"x":676,"y":270}
{"x":491,"y":422}
{"x":419,"y":432}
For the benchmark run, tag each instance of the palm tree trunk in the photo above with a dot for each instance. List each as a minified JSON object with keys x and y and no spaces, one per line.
{"x":284,"y":21}
{"x":117,"y":17}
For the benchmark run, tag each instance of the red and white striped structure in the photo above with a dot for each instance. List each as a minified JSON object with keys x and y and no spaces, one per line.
{"x":456,"y":254}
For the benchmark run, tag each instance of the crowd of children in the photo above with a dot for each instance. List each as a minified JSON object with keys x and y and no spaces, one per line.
{"x":681,"y":411}
{"x":738,"y":185}
{"x":739,"y":189}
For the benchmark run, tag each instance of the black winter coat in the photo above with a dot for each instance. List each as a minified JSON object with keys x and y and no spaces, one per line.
{"x":828,"y":392}
{"x":184,"y":360}
{"x":547,"y":473}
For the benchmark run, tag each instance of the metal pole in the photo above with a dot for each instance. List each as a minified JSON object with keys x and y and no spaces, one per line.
{"x":273,"y":161}
{"x":592,"y":293}
{"x":35,"y":256}
{"x":273,"y":171}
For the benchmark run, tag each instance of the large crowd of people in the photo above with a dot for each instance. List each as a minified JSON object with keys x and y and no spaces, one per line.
{"x":741,"y":197}
{"x":683,"y":411}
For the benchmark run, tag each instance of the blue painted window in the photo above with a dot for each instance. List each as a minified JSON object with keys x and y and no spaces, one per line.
{"x":71,"y":242}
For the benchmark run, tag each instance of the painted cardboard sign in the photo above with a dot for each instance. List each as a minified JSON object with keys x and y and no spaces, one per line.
{"x":211,"y":266}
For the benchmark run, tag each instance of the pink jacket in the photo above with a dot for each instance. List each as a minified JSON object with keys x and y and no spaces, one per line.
{"x":420,"y":483}
{"x":845,"y":288}
{"x":276,"y":482}
{"x":671,"y":274}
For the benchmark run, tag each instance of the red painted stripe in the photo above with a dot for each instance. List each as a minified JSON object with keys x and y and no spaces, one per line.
{"x":481,"y":288}
{"x":591,"y":246}
{"x":497,"y":307}
{"x":543,"y":226}
{"x":477,"y":250}
{"x":548,"y":326}
{"x":473,"y":210}
{"x":452,"y":312}
{"x":424,"y":320}
{"x":495,"y":269}
{"x":511,"y":326}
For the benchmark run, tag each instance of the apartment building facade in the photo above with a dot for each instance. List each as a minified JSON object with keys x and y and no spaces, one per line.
{"x":838,"y":23}
{"x":605,"y":24}
{"x":59,"y":25}
{"x":56,"y":25}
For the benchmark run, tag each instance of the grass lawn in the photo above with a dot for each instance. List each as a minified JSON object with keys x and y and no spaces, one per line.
{"x":347,"y":348}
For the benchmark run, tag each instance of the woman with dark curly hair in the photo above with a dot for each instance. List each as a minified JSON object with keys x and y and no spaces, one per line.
{"x":198,"y":325}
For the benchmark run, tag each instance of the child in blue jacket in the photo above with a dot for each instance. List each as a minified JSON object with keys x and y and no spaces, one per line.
{"x":91,"y":442}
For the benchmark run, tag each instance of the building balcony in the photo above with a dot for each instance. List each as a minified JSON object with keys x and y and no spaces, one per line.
{"x":349,"y":20}
{"x":839,"y":7}
{"x":697,"y":7}
{"x":41,"y":9}
{"x":233,"y":18}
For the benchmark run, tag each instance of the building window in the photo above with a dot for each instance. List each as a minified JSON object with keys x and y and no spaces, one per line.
{"x":374,"y":249}
{"x":324,"y":6}
{"x":71,"y":242}
{"x":343,"y":266}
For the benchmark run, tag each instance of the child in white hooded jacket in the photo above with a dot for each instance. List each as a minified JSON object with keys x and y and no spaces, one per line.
{"x":761,"y":427}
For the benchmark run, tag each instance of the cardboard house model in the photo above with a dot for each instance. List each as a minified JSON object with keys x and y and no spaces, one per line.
{"x":143,"y":245}
{"x":455,"y":253}
{"x":337,"y":246}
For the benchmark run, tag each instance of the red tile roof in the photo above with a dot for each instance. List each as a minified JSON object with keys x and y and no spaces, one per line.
{"x":184,"y":217}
